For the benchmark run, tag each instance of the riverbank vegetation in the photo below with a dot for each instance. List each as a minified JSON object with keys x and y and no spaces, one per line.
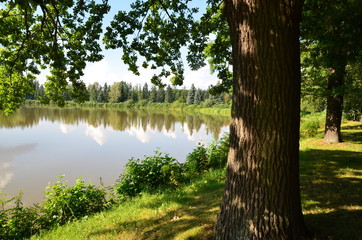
{"x":121,"y":95}
{"x":160,"y":198}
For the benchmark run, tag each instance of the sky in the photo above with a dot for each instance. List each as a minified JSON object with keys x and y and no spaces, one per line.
{"x":111,"y":69}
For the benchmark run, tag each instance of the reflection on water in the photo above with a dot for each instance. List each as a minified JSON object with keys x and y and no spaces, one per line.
{"x":118,"y":120}
{"x":7,"y":154}
{"x":38,"y":144}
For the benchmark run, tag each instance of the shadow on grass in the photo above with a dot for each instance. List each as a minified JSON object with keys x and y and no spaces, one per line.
{"x":355,"y":127}
{"x":354,"y":137}
{"x":193,"y":218}
{"x":331,"y":187}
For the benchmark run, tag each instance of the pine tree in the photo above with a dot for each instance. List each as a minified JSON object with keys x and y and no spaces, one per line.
{"x":191,"y":95}
{"x":168,"y":94}
{"x":198,"y":96}
{"x":153,"y":94}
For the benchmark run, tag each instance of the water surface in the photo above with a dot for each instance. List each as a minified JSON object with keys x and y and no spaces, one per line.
{"x":39,"y":144}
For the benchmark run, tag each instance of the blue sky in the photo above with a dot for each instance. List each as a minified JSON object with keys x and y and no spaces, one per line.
{"x":111,"y":69}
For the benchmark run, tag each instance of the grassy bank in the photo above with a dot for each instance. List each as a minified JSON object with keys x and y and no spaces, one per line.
{"x":186,"y":213}
{"x":331,"y":186}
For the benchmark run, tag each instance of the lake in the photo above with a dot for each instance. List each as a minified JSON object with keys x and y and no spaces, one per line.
{"x":39,"y":144}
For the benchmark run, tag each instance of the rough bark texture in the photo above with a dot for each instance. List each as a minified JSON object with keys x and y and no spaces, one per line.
{"x":332,"y":132}
{"x":262,"y":193}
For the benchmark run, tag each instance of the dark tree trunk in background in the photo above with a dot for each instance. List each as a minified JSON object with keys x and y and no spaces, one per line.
{"x":332,"y":131}
{"x":262,"y":192}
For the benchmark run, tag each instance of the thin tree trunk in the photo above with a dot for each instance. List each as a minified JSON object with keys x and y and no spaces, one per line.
{"x":332,"y":131}
{"x":262,"y":193}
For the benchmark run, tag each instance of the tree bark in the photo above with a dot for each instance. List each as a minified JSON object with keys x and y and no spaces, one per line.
{"x":262,"y":192}
{"x":332,"y":130}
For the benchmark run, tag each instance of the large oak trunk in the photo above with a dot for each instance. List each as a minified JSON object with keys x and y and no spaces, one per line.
{"x":262,"y":193}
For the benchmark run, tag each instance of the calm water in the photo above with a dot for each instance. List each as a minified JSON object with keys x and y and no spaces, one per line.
{"x":39,"y":144}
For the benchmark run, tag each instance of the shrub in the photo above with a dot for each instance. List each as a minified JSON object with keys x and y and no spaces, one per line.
{"x":154,"y":173}
{"x":18,"y":222}
{"x":310,"y":125}
{"x":218,"y":152}
{"x":214,"y":156}
{"x":197,"y":161}
{"x":63,"y":203}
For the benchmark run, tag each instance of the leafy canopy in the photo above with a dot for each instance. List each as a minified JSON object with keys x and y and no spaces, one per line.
{"x":60,"y":35}
{"x":154,"y":33}
{"x":330,"y":34}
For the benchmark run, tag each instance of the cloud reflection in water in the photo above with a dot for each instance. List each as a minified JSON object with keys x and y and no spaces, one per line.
{"x":7,"y":155}
{"x":97,"y":134}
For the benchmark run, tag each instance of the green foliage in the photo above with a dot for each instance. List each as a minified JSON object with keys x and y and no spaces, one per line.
{"x":202,"y":158}
{"x":13,"y":87}
{"x":310,"y":124}
{"x":330,"y":40}
{"x":352,"y":102}
{"x":157,"y":31}
{"x":311,"y":104}
{"x":154,"y":173}
{"x":197,"y":161}
{"x":218,"y":152}
{"x":64,"y":203}
{"x":18,"y":222}
{"x":59,"y":35}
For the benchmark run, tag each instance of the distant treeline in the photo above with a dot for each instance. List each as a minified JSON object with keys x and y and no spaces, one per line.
{"x":122,"y":92}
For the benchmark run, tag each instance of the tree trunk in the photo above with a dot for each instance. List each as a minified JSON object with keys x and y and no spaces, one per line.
{"x":332,"y":131}
{"x":262,"y":192}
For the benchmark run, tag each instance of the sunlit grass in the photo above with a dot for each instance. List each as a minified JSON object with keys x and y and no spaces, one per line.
{"x":331,"y":184}
{"x":331,"y":189}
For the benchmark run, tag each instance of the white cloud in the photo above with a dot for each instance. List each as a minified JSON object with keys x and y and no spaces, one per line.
{"x":100,"y":72}
{"x":201,"y":78}
{"x":97,"y":134}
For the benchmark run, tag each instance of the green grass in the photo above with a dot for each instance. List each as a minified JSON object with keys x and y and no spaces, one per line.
{"x":331,"y":188}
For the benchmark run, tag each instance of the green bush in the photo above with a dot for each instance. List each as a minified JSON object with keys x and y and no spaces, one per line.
{"x":214,"y":156}
{"x":218,"y":152}
{"x":197,"y":161}
{"x":63,"y":203}
{"x":154,"y":173}
{"x":310,"y":124}
{"x":18,"y":222}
